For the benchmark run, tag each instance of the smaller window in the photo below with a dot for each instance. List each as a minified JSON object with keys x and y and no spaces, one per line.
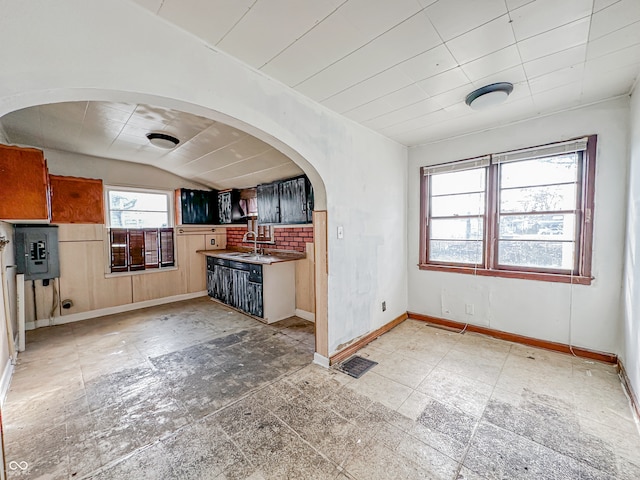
{"x":140,"y":229}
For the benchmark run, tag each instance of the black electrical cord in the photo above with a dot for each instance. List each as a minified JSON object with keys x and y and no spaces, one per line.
{"x":35,"y":305}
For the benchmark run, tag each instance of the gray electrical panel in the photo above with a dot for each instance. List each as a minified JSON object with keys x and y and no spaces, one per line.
{"x":37,"y":251}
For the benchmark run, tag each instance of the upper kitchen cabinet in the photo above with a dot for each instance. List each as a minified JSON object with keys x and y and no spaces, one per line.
{"x":196,"y":207}
{"x":285,"y":202}
{"x":229,"y":209}
{"x":76,"y":200}
{"x":296,"y":200}
{"x":268,"y":203}
{"x":24,"y":184}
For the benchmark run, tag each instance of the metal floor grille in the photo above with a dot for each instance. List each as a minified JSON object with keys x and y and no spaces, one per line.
{"x":357,"y":366}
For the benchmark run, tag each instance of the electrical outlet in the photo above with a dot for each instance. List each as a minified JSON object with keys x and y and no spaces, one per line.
{"x":384,"y":306}
{"x":469,"y":309}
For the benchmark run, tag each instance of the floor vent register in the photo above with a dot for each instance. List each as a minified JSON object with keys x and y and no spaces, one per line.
{"x":357,"y":366}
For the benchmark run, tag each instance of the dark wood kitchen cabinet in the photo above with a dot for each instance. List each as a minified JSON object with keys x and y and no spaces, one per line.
{"x":237,"y":284}
{"x":286,"y":201}
{"x":268,"y":198}
{"x":229,"y":210}
{"x":296,"y":198}
{"x":196,"y":207}
{"x":24,"y":184}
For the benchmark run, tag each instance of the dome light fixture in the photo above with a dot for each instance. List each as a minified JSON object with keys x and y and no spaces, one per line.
{"x":162,"y":140}
{"x":489,"y":95}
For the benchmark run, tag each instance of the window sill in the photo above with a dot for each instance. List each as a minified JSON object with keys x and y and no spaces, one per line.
{"x":539,"y":276}
{"x":139,"y":272}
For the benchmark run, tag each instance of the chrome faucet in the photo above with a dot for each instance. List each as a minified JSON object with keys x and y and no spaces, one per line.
{"x":255,"y":240}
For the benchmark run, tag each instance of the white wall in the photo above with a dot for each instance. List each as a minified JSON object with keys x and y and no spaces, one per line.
{"x":532,"y":308}
{"x":631,"y":325}
{"x":6,"y":369}
{"x":118,"y":51}
{"x":114,"y":172}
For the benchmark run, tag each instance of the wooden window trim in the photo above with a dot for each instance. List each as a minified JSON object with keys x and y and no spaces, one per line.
{"x":584,"y":221}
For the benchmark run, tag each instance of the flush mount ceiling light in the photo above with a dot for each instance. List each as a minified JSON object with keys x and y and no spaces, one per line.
{"x":489,"y":95}
{"x":162,"y":140}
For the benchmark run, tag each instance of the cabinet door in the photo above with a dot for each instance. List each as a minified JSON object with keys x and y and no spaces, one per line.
{"x":224,"y":207}
{"x":76,"y":200}
{"x":268,"y":198}
{"x":293,"y":201}
{"x":25,"y":184}
{"x":198,"y":207}
{"x":222,"y":284}
{"x":246,"y":295}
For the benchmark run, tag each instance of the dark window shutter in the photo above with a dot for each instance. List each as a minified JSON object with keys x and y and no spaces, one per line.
{"x":151,"y":251}
{"x":119,"y":255}
{"x":166,"y":247}
{"x":136,"y":249}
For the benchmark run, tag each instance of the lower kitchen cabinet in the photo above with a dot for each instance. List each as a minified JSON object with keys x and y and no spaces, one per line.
{"x":265,"y":291}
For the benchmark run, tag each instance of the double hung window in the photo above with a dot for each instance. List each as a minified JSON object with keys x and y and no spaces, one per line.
{"x":522,"y":214}
{"x":140,"y":229}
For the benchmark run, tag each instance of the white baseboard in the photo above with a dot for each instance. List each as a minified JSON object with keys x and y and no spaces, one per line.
{"x":5,"y":381}
{"x":320,"y":360}
{"x":306,"y":315}
{"x":77,"y":317}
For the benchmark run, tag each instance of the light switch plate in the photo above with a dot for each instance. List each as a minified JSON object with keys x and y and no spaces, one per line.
{"x":340,"y":232}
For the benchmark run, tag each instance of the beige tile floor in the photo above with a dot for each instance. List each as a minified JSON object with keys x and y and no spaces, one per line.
{"x":195,"y":390}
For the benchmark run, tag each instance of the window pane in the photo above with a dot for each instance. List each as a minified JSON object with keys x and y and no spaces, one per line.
{"x":540,"y":171}
{"x":458,"y":182}
{"x":538,"y":227}
{"x":452,"y":205}
{"x":455,"y":252}
{"x":539,"y":199}
{"x":135,"y":219}
{"x":151,"y":202}
{"x":554,"y":255}
{"x":457,"y":229}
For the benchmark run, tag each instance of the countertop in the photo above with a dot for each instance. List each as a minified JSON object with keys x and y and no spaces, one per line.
{"x":247,"y":256}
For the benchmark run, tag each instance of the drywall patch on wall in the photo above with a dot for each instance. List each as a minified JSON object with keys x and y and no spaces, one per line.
{"x":586,"y":316}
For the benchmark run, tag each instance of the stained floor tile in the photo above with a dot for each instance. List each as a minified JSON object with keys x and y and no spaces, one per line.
{"x":194,"y":390}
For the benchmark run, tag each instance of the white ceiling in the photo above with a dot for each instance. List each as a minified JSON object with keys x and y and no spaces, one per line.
{"x":209,"y":152}
{"x":404,"y":67}
{"x":400,"y":67}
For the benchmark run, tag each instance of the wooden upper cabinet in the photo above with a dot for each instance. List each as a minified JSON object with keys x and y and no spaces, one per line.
{"x":76,"y":200}
{"x":24,"y":184}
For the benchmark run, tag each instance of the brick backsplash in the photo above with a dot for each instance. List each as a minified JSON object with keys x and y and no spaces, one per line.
{"x":286,"y":238}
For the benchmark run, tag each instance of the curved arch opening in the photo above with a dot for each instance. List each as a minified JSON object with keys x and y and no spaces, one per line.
{"x":320,"y":199}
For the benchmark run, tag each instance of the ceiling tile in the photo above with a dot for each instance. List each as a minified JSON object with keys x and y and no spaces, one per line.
{"x":492,"y":63}
{"x":207,"y":19}
{"x":410,"y":38}
{"x":564,"y":96}
{"x":368,"y":90}
{"x":617,"y":40}
{"x":599,"y":84}
{"x":269,"y":159}
{"x":535,"y":18}
{"x":556,"y":61}
{"x":152,"y":5}
{"x":100,"y":111}
{"x":252,"y":179}
{"x":556,"y":79}
{"x":601,"y":4}
{"x":429,"y":63}
{"x":513,"y":4}
{"x":556,"y":40}
{"x":614,"y":17}
{"x":614,"y":61}
{"x":488,"y":38}
{"x":454,"y":97}
{"x":455,"y":17}
{"x":341,"y":33}
{"x":444,"y":82}
{"x":261,"y":34}
{"x":415,"y":110}
{"x":512,"y":75}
